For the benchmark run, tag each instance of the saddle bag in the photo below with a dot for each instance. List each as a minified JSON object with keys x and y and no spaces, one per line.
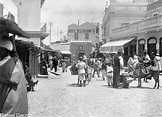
{"x":145,"y":70}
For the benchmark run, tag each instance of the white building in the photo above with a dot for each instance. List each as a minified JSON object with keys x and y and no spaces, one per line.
{"x":84,"y":32}
{"x":139,"y":21}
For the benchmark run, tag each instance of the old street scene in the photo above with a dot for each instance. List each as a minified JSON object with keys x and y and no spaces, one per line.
{"x":79,"y":58}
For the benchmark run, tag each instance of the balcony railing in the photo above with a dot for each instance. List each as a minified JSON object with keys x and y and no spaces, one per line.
{"x":137,"y":27}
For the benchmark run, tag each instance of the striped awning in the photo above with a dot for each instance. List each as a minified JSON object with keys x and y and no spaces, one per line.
{"x":113,"y":46}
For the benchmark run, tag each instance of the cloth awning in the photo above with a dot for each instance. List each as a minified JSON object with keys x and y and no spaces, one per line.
{"x":113,"y":46}
{"x":65,"y":52}
{"x":43,"y":49}
{"x":9,"y":26}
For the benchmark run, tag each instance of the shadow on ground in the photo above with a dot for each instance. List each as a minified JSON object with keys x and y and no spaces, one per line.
{"x":73,"y":85}
{"x":141,"y":87}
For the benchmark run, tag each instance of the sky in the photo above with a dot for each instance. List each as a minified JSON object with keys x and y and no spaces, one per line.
{"x":65,"y":12}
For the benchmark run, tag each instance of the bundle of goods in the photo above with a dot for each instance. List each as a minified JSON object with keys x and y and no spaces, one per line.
{"x":73,"y":69}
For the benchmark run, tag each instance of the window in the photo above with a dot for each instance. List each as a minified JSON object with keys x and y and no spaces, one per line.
{"x":76,"y":36}
{"x":97,"y":30}
{"x":104,"y":31}
{"x":71,"y":30}
{"x":78,"y":30}
{"x":155,"y":14}
{"x":86,"y":36}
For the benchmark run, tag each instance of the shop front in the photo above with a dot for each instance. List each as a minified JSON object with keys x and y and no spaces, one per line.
{"x":127,"y":46}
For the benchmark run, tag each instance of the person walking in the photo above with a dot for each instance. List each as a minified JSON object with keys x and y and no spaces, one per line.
{"x":99,"y":61}
{"x":54,"y":63}
{"x":103,"y":68}
{"x":109,"y":75}
{"x":13,"y":90}
{"x":95,"y":68}
{"x":118,"y":64}
{"x":81,"y":66}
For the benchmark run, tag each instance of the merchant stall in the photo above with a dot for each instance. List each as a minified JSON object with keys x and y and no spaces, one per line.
{"x":23,"y":48}
{"x":128,"y":46}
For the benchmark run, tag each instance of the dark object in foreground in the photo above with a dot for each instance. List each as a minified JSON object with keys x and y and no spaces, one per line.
{"x":9,"y":26}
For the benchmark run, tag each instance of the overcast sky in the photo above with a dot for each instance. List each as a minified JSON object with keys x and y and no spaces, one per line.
{"x":65,"y":12}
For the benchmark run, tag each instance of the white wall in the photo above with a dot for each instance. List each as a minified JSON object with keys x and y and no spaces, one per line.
{"x":1,"y":10}
{"x":28,"y":14}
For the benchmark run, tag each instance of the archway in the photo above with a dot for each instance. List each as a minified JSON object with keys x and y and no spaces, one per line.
{"x":151,"y":45}
{"x":141,"y":46}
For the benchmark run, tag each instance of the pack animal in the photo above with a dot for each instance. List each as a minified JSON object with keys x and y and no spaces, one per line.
{"x":146,"y":72}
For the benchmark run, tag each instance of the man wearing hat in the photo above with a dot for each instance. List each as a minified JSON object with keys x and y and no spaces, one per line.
{"x":118,"y":64}
{"x":13,"y":91}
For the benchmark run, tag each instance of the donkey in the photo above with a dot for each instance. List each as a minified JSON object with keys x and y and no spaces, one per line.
{"x":146,"y":72}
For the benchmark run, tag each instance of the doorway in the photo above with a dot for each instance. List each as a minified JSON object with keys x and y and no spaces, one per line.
{"x":160,"y":46}
{"x":80,"y":54}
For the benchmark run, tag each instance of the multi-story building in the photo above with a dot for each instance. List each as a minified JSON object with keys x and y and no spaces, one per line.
{"x":82,"y":38}
{"x":29,"y":16}
{"x":140,"y":19}
{"x":84,"y":32}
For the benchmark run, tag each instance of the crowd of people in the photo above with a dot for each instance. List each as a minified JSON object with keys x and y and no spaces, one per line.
{"x":107,"y":68}
{"x":88,"y":68}
{"x":112,"y":67}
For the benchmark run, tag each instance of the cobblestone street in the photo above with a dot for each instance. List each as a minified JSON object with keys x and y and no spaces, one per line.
{"x":58,"y":96}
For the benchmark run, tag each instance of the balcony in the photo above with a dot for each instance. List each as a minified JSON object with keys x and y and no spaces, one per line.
{"x":153,"y":23}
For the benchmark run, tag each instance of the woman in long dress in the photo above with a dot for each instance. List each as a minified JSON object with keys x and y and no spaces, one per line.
{"x":109,"y":75}
{"x":157,"y":62}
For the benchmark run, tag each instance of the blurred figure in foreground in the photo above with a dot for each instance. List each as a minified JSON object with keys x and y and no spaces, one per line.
{"x":13,"y":91}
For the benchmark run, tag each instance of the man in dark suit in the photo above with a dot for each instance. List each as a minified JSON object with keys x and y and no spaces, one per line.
{"x":118,"y":64}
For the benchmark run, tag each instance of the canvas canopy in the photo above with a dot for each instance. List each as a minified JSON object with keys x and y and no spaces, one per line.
{"x":113,"y":46}
{"x":9,"y":26}
{"x":65,"y":52}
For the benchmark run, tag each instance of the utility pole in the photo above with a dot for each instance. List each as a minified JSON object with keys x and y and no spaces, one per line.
{"x":50,"y":30}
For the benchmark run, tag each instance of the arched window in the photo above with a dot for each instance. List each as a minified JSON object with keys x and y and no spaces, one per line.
{"x":151,"y":45}
{"x":141,"y":46}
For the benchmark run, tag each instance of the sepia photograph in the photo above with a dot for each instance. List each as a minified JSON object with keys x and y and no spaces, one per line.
{"x":80,"y":58}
